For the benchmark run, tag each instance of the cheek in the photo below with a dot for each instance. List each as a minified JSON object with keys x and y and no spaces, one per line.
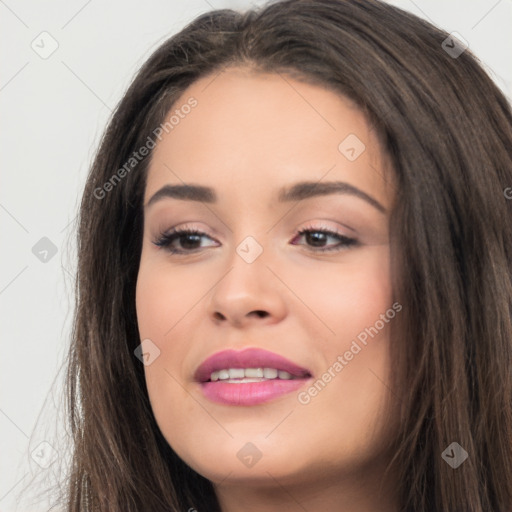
{"x":354,"y":303}
{"x":162,"y":299}
{"x":347,"y":297}
{"x":151,"y":303}
{"x":163,"y":296}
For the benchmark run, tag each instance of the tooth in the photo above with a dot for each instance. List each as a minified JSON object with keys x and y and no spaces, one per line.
{"x":236,"y":373}
{"x":245,"y":381}
{"x":223,"y":374}
{"x":270,"y":373}
{"x":254,"y":372}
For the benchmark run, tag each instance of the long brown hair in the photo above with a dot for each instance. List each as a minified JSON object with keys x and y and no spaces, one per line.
{"x":448,"y":132}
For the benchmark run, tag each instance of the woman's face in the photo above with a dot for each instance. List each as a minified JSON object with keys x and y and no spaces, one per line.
{"x":316,"y":306}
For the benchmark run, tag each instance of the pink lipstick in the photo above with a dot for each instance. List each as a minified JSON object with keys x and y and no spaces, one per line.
{"x":248,"y":377}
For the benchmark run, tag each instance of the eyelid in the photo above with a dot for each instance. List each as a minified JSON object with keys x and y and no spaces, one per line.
{"x":332,"y":226}
{"x":187,"y":226}
{"x":311,"y":225}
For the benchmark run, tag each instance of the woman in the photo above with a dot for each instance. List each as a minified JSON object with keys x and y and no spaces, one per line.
{"x":294,"y":285}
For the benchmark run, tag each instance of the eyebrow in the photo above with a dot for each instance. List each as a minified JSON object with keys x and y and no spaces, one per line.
{"x":296,"y":192}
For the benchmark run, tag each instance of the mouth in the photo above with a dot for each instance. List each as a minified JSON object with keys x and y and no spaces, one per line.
{"x":242,"y":375}
{"x":249,"y":377}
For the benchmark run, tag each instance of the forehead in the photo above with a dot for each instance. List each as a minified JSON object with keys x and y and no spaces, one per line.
{"x":260,"y":131}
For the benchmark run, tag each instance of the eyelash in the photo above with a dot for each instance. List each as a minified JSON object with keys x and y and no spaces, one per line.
{"x":166,"y":239}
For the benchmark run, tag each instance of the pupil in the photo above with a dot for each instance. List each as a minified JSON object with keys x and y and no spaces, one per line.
{"x":184,"y":238}
{"x":316,"y":237}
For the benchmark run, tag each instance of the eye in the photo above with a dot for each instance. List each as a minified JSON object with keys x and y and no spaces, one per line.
{"x":317,"y":238}
{"x":187,"y":238}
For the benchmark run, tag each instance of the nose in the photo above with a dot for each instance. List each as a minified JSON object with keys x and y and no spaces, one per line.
{"x":249,"y":293}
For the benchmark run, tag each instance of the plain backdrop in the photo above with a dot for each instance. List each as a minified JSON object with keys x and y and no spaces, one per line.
{"x":65,"y":65}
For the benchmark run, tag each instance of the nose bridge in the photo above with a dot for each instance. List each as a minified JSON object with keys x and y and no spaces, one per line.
{"x":247,"y":267}
{"x":249,"y":231}
{"x":247,"y":289}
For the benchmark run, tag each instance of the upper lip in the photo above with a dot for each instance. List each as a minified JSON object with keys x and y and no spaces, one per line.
{"x":247,"y":358}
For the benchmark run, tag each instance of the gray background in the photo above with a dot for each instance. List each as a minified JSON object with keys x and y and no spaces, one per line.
{"x":53,"y":111}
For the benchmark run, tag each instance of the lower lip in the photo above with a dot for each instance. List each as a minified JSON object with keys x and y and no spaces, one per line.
{"x":250,"y":393}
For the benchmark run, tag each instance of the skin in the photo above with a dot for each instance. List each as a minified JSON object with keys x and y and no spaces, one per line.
{"x":249,"y":135}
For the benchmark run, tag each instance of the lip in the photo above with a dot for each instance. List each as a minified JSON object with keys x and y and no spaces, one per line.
{"x":250,"y":393}
{"x":248,"y":358}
